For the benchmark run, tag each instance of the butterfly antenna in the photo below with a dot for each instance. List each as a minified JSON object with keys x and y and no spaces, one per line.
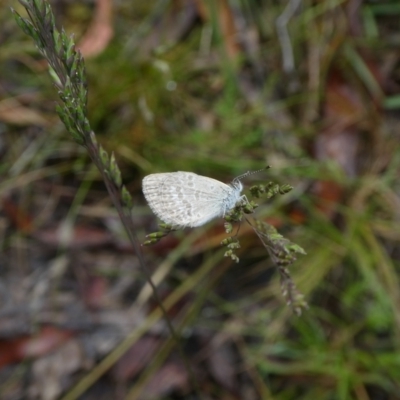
{"x":240,"y":177}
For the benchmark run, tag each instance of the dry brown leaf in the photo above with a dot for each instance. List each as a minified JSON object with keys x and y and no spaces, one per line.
{"x":226,"y":22}
{"x":46,"y":340}
{"x":100,"y":31}
{"x":18,"y":216}
{"x":13,"y":112}
{"x":94,"y":291}
{"x":81,"y":237}
{"x":136,"y":358}
{"x":221,"y":362}
{"x":171,"y":376}
{"x":50,"y":373}
{"x":344,"y":110}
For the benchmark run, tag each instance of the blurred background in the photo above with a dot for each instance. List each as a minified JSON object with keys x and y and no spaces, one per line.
{"x":310,"y":88}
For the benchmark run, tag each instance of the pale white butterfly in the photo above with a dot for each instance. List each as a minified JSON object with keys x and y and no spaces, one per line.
{"x":185,"y":199}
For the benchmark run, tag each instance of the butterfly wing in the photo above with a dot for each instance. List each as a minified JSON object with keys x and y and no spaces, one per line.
{"x":186,"y":199}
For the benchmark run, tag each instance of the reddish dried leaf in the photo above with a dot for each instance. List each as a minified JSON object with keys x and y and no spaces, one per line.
{"x":353,"y":11}
{"x":100,"y":31}
{"x":221,"y":362}
{"x":342,"y":102}
{"x":297,"y":216}
{"x":341,"y":146}
{"x":9,"y":352}
{"x":329,"y":194}
{"x":81,"y":237}
{"x":228,"y":29}
{"x":136,"y":358}
{"x":226,"y":22}
{"x":45,"y":341}
{"x":172,"y":376}
{"x":51,"y":372}
{"x":13,"y":112}
{"x":93,"y":291}
{"x":339,"y":141}
{"x":18,"y":216}
{"x":48,"y":339}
